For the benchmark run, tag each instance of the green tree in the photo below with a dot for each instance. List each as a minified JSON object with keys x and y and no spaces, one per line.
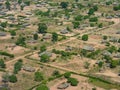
{"x":93,"y":19}
{"x":54,"y":37}
{"x":21,"y":7}
{"x":44,"y":58}
{"x":113,"y":63}
{"x":19,"y":2}
{"x":76,"y":24}
{"x":35,"y":36}
{"x":56,"y":73}
{"x":105,"y":37}
{"x":91,"y":11}
{"x":73,"y":81}
{"x":7,"y":3}
{"x":4,"y":24}
{"x":67,"y":74}
{"x":12,"y":78}
{"x":17,"y":66}
{"x":38,"y":76}
{"x":13,"y":33}
{"x":2,"y":64}
{"x":85,"y":37}
{"x":64,"y":4}
{"x":42,"y":28}
{"x":21,"y":41}
{"x":95,"y":8}
{"x":43,"y":48}
{"x":42,"y":87}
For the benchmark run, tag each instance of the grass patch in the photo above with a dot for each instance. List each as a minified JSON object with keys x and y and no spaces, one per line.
{"x":103,"y":84}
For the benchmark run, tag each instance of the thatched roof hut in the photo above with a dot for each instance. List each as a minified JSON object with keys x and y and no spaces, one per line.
{"x":2,"y":34}
{"x":28,"y":68}
{"x":63,"y":85}
{"x":106,"y":53}
{"x":46,"y":53}
{"x":64,"y":31}
{"x":88,"y":48}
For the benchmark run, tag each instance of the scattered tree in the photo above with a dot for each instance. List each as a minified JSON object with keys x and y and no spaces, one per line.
{"x":85,"y":37}
{"x":38,"y":76}
{"x":42,"y":28}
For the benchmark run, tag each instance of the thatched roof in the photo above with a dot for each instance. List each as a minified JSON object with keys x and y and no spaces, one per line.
{"x":106,"y":53}
{"x":64,"y":31}
{"x":117,"y":55}
{"x":118,"y":32}
{"x":63,"y":85}
{"x":46,"y":53}
{"x":2,"y":34}
{"x":28,"y":68}
{"x":88,"y":48}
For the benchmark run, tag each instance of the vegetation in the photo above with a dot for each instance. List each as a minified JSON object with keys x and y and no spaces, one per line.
{"x":6,"y":54}
{"x":2,"y":64}
{"x":42,"y":87}
{"x":38,"y":76}
{"x":73,"y":81}
{"x":12,"y":78}
{"x":85,"y":37}
{"x":42,"y":28}
{"x":17,"y":66}
{"x":44,"y":58}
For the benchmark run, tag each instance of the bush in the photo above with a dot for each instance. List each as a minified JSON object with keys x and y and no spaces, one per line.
{"x":38,"y":76}
{"x":56,"y":73}
{"x":2,"y":64}
{"x":6,"y":54}
{"x":93,"y":19}
{"x":42,"y":87}
{"x":13,"y":79}
{"x":73,"y":81}
{"x":85,"y":37}
{"x":17,"y":66}
{"x":67,"y":74}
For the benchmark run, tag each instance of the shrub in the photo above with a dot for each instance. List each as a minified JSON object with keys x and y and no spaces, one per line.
{"x":67,"y":74}
{"x":42,"y":87}
{"x":73,"y":81}
{"x":85,"y":37}
{"x":13,"y":78}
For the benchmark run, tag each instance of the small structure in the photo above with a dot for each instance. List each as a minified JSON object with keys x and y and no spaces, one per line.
{"x":106,"y":53}
{"x":46,"y":53}
{"x":108,"y":17}
{"x":2,"y":34}
{"x":64,"y":31}
{"x":117,"y":55}
{"x":113,"y":39}
{"x":63,"y":85}
{"x":69,"y":48}
{"x":31,"y":41}
{"x":28,"y":68}
{"x":88,"y":48}
{"x":118,"y":32}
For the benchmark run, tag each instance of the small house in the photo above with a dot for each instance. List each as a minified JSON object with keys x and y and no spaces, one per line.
{"x":106,"y":53}
{"x":117,"y":55}
{"x":118,"y":32}
{"x":63,"y":85}
{"x":2,"y":34}
{"x":88,"y":48}
{"x":46,"y":53}
{"x":64,"y":31}
{"x":28,"y":68}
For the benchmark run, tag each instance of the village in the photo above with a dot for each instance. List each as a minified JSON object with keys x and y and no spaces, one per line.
{"x":59,"y":44}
